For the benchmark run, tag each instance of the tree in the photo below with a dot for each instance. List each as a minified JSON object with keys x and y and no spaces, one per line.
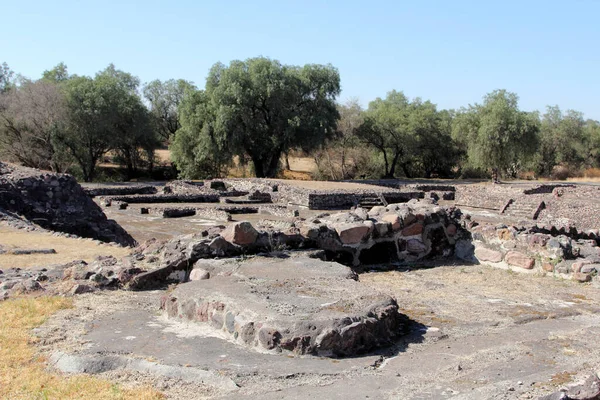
{"x":592,"y":138}
{"x":385,"y":127}
{"x":135,"y":137}
{"x":197,"y":150}
{"x":561,"y":140}
{"x":434,"y":152}
{"x":58,"y":74}
{"x":412,"y":135}
{"x":6,"y":78}
{"x":31,"y":117}
{"x":335,"y":159}
{"x":105,"y":113}
{"x":165,"y":98}
{"x":497,"y":134}
{"x":262,"y":108}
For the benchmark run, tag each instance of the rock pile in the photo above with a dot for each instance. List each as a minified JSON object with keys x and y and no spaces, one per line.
{"x":532,"y":250}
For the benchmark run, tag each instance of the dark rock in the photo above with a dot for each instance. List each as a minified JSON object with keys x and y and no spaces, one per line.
{"x":69,"y":210}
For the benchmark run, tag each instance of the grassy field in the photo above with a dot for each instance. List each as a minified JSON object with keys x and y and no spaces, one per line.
{"x":23,"y":374}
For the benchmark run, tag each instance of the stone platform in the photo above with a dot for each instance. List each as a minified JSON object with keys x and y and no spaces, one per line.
{"x":302,"y":305}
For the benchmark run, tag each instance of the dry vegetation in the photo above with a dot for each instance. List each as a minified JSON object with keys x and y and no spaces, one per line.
{"x":23,"y":374}
{"x":67,"y":249}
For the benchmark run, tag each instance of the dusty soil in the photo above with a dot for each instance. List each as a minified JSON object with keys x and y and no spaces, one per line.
{"x":477,"y":333}
{"x":67,"y":249}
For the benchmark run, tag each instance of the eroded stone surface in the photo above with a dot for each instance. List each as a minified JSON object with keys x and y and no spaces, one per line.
{"x":303,"y":305}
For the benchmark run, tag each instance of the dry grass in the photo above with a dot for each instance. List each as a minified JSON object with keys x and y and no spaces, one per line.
{"x":23,"y":375}
{"x":67,"y":249}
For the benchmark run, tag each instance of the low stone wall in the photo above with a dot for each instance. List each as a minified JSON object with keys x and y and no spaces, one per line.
{"x":545,"y":189}
{"x":530,"y":250}
{"x":165,"y":198}
{"x":178,"y":212}
{"x":279,"y":211}
{"x":120,"y":190}
{"x":340,"y":200}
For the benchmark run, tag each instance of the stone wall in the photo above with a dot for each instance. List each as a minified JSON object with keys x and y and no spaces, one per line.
{"x":56,"y":202}
{"x":120,"y":190}
{"x":532,"y":250}
{"x":165,"y":198}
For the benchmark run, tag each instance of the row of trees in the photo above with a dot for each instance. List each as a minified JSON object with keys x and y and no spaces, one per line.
{"x":62,"y":121}
{"x":257,"y":111}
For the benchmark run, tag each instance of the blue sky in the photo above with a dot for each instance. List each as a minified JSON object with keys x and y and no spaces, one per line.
{"x":450,"y":52}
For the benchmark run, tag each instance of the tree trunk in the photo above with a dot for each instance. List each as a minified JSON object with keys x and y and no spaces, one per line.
{"x":394,"y":162}
{"x":385,"y":160}
{"x":273,"y":166}
{"x":258,"y":167}
{"x":287,"y":161}
{"x":405,"y":170}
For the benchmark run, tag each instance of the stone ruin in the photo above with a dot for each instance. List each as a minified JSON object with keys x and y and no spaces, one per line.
{"x":268,"y":285}
{"x":56,"y":202}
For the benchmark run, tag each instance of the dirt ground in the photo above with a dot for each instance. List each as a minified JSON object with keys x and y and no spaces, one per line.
{"x":476,"y":333}
{"x":67,"y":249}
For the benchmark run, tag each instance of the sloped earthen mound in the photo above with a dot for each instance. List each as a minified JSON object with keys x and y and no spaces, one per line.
{"x":56,"y":202}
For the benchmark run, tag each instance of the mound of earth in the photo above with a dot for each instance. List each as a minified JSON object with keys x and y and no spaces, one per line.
{"x":56,"y":202}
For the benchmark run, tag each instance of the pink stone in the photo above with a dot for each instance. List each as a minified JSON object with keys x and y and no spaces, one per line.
{"x":519,"y":260}
{"x":414,"y":229}
{"x":393,"y":219}
{"x":352,"y":233}
{"x":240,"y":233}
{"x":485,"y":254}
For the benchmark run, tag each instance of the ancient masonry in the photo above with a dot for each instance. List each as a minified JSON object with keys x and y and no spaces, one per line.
{"x":268,"y":285}
{"x":56,"y":202}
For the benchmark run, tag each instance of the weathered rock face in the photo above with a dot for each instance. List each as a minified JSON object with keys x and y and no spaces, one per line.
{"x":56,"y":202}
{"x":301,"y":305}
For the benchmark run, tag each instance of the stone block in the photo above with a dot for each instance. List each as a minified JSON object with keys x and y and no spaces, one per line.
{"x":520,"y":260}
{"x":352,"y":233}
{"x":241,"y":233}
{"x":485,"y":254}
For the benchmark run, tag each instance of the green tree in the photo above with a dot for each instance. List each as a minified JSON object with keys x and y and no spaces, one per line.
{"x":6,"y":78}
{"x":197,"y":150}
{"x":434,"y":152}
{"x":164,"y":99}
{"x":385,"y":127}
{"x":262,"y":108}
{"x":562,"y":140}
{"x":412,"y":135}
{"x":106,"y":113}
{"x":58,"y":74}
{"x":496,"y":133}
{"x":592,"y":138}
{"x":336,"y":158}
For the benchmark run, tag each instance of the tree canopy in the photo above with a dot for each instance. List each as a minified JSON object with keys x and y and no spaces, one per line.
{"x":262,"y":108}
{"x":496,"y":133}
{"x":164,"y":99}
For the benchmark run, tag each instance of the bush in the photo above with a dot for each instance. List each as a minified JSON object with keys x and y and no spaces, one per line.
{"x":562,"y":173}
{"x":592,"y":173}
{"x":474,"y":173}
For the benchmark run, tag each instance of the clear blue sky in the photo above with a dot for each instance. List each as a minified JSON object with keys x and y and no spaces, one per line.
{"x":450,"y":52}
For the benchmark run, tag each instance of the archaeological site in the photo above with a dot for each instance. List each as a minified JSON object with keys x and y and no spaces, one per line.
{"x":272,"y":289}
